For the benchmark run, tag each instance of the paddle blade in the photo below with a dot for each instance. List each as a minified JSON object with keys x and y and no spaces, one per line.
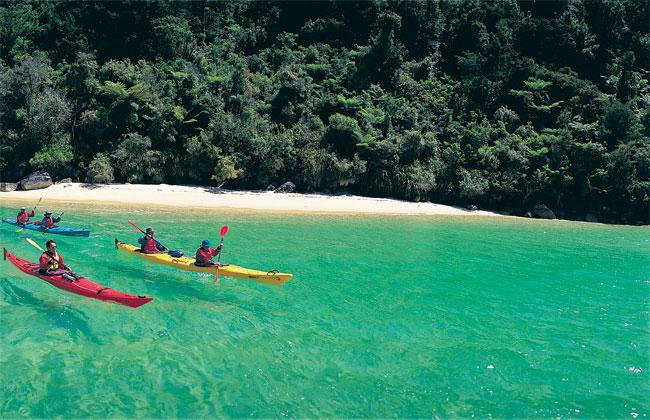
{"x":135,"y":226}
{"x":34,"y":244}
{"x":223,"y":231}
{"x":216,"y":277}
{"x":20,"y":230}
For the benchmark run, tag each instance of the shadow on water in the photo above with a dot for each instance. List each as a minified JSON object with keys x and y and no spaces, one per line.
{"x":62,"y":316}
{"x":160,"y":283}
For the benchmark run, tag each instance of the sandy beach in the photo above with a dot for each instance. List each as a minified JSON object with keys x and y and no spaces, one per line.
{"x":204,"y":197}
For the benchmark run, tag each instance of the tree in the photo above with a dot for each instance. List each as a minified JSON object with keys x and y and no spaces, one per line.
{"x":134,"y":159}
{"x":100,"y":170}
{"x":174,"y":37}
{"x":386,"y":52}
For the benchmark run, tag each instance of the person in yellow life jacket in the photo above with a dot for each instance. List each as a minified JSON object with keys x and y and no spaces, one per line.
{"x":205,"y":253}
{"x":23,"y":216}
{"x":51,"y":262}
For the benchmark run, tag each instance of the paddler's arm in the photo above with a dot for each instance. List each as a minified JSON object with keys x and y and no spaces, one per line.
{"x":63,"y":265}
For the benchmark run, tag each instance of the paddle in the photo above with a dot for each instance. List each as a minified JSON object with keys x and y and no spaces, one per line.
{"x":222,"y":232}
{"x":39,"y":202}
{"x":33,"y":212}
{"x":144,"y":233}
{"x":37,"y":246}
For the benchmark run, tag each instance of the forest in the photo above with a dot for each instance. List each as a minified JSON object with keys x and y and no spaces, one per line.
{"x":499,"y":104}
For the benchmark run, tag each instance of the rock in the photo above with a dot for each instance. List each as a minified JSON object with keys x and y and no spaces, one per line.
{"x":271,"y":187}
{"x":36,"y":181}
{"x":8,"y":186}
{"x":541,"y":211}
{"x":287,"y":187}
{"x":472,"y":207}
{"x":591,"y":218}
{"x":528,"y":214}
{"x":64,"y":181}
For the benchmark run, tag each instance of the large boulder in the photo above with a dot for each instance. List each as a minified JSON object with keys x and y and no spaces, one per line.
{"x":64,"y":181}
{"x":287,"y":187}
{"x":541,"y":211}
{"x":36,"y":181}
{"x":8,"y":186}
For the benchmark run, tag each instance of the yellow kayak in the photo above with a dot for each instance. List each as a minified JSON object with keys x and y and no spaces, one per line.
{"x":187,"y":264}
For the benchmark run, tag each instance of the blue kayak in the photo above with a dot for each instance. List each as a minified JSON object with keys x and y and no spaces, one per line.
{"x":56,"y":230}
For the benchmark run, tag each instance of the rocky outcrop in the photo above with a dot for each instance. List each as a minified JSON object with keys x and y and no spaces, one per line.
{"x":541,"y":211}
{"x":8,"y":186}
{"x":270,"y":187}
{"x":287,"y":187}
{"x":472,"y":207}
{"x":64,"y":181}
{"x":36,"y":181}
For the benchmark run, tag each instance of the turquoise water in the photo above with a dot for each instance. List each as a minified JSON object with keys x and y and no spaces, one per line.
{"x":385,"y":317}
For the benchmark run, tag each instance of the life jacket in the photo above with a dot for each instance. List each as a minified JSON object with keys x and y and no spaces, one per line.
{"x":47,"y":222}
{"x":23,"y":217}
{"x":204,"y":256}
{"x":148,"y":245}
{"x":50,"y":262}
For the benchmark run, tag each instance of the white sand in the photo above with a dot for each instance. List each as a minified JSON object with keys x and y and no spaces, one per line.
{"x":130,"y":195}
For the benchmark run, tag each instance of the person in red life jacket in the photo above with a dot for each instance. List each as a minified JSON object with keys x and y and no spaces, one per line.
{"x":205,"y":253}
{"x":48,"y":221}
{"x":148,"y":245}
{"x":51,"y":262}
{"x":23,"y":216}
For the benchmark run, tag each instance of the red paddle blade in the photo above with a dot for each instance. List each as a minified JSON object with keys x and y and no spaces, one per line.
{"x":216,"y":277}
{"x":135,"y":226}
{"x":223,"y":231}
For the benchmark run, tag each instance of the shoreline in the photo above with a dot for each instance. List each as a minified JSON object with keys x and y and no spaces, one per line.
{"x":201,"y":198}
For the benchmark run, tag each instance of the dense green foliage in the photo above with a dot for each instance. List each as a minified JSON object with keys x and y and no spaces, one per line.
{"x":501,"y":104}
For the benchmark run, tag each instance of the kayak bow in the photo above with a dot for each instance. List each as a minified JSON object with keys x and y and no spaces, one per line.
{"x":81,"y":286}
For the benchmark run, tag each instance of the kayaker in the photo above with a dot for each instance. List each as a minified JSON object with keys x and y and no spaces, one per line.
{"x":48,"y":221}
{"x":23,"y":216}
{"x":51,"y":262}
{"x":148,"y":245}
{"x":205,"y":253}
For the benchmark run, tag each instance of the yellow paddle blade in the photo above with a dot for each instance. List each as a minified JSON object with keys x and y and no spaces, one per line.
{"x":34,"y":244}
{"x":19,"y":230}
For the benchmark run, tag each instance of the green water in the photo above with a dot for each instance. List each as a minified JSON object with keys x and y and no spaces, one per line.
{"x":385,"y":317}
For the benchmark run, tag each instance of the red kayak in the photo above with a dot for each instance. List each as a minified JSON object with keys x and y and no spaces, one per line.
{"x":80,"y":286}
